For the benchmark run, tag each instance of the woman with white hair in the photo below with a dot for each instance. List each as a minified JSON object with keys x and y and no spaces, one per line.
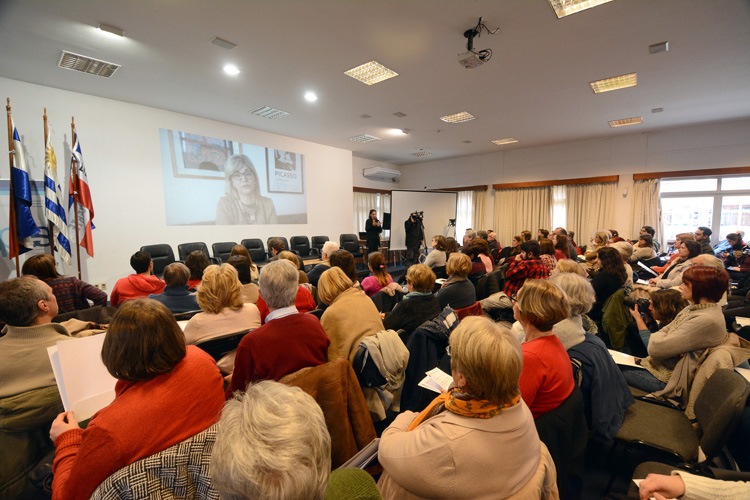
{"x":272,"y":442}
{"x":581,"y":296}
{"x":243,"y":203}
{"x":478,"y":440}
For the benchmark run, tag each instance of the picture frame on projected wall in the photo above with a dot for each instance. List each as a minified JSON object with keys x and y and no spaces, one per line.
{"x":285,"y":171}
{"x":202,"y":157}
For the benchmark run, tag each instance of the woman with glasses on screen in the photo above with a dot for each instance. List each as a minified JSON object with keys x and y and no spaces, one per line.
{"x":243,"y":203}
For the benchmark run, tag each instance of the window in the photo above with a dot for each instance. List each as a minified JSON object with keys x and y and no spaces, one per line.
{"x":721,"y":203}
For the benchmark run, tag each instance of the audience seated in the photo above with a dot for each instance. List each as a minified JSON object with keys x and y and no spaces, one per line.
{"x":329,"y":247}
{"x":643,"y":249}
{"x":242,"y":251}
{"x":345,"y":260}
{"x":525,"y":265}
{"x":176,"y":296}
{"x":696,"y":328}
{"x":197,"y":262}
{"x":350,"y":314}
{"x":304,"y":301}
{"x":607,"y":277}
{"x":72,"y":294}
{"x":250,"y":291}
{"x":288,"y":341}
{"x":737,"y":259}
{"x":418,"y":305}
{"x":272,"y":443}
{"x":703,"y":236}
{"x":29,"y":400}
{"x":547,"y":254}
{"x":166,"y":392}
{"x":379,"y":278}
{"x":141,"y":284}
{"x":675,"y":254}
{"x":457,"y":291}
{"x":275,"y":246}
{"x":682,"y":484}
{"x":562,"y":247}
{"x":581,"y":297}
{"x":219,"y":295}
{"x":547,"y":378}
{"x":478,"y":440}
{"x":514,"y":249}
{"x":437,"y":256}
{"x":673,"y":275}
{"x":294,"y":259}
{"x":664,"y":306}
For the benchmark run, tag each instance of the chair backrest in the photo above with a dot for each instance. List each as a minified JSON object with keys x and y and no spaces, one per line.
{"x":384,"y":302}
{"x":222,"y":250}
{"x":161,"y":255}
{"x":300,"y":245}
{"x":565,"y":433}
{"x":473,"y":310}
{"x":256,"y":248}
{"x":440,"y":272}
{"x":184,"y":316}
{"x":180,"y":471}
{"x":318,"y":242}
{"x":350,"y":243}
{"x":719,"y":407}
{"x":184,"y":249}
{"x":218,"y":347}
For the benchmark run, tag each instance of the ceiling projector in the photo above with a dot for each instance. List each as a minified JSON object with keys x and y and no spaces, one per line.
{"x":470,"y":60}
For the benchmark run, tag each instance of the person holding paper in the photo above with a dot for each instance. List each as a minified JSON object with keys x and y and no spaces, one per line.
{"x":478,"y":440}
{"x":166,"y":392}
{"x":28,"y":393}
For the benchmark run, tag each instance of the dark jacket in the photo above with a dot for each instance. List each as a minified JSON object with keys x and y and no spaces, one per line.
{"x":314,"y":275}
{"x":457,"y":293}
{"x":412,"y":312}
{"x":605,"y":393}
{"x":177,"y":299}
{"x":426,"y":348}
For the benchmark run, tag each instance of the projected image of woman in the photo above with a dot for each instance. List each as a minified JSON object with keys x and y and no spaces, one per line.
{"x":243,"y":203}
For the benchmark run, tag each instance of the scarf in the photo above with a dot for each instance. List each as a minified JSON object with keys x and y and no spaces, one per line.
{"x":461,"y":403}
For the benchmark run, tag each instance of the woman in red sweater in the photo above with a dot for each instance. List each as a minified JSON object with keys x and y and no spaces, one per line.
{"x":165,"y":393}
{"x":547,"y":376}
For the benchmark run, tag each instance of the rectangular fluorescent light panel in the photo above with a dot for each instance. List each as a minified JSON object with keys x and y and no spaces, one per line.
{"x":461,"y":117}
{"x":371,"y":73}
{"x":269,"y":112}
{"x":508,"y":140}
{"x":364,"y":138}
{"x":111,"y":29}
{"x":626,"y":121}
{"x":567,"y":7}
{"x":224,"y":44}
{"x":614,"y":83}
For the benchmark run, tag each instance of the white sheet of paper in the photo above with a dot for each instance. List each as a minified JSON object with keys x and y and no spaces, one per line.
{"x":742,"y":321}
{"x":182,"y":324}
{"x":744,"y":372}
{"x":85,"y":384}
{"x":624,"y":359}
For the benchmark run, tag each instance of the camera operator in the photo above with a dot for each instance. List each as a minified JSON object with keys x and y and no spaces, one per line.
{"x":373,"y":228}
{"x":414,"y":235}
{"x":654,"y":314}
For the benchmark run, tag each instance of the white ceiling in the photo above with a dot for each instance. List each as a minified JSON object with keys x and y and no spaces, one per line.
{"x":535,"y":87}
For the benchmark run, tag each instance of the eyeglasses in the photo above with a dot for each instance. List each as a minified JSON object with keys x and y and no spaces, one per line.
{"x":248,"y":176}
{"x":513,"y":300}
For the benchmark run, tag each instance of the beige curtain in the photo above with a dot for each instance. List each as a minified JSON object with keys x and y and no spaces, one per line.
{"x":363,"y":203}
{"x":589,"y":209}
{"x":646,"y":207}
{"x":519,"y":209}
{"x":477,"y":212}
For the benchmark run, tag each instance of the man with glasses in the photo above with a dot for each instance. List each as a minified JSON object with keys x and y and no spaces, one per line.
{"x":703,"y":236}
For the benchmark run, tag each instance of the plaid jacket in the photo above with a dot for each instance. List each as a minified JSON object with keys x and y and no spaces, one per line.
{"x":521,"y":270}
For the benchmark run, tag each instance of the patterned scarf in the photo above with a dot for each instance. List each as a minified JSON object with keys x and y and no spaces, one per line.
{"x":461,"y":403}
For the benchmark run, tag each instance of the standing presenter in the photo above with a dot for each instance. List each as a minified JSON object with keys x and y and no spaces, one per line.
{"x":373,"y":228}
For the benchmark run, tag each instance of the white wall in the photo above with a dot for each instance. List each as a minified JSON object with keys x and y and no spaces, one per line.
{"x":716,"y":145}
{"x":120,"y":143}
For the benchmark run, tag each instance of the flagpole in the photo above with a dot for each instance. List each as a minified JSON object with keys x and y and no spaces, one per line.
{"x":13,"y":230}
{"x":49,"y":222}
{"x":74,"y":185}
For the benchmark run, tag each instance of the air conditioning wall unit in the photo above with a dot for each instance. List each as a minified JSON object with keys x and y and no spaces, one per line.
{"x":381,"y":174}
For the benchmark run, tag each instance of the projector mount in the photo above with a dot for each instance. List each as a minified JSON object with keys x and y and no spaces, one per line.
{"x":473,"y":58}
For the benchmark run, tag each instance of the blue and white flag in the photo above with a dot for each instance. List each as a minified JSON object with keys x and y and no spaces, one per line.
{"x":20,"y":217}
{"x":53,"y":206}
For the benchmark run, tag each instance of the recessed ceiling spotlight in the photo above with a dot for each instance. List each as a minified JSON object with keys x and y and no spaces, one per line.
{"x":461,"y":117}
{"x":371,"y":73}
{"x":310,"y":96}
{"x":636,"y":120}
{"x":567,"y":7}
{"x":614,"y":83}
{"x":232,"y":70}
{"x":112,"y":30}
{"x":507,"y":140}
{"x":399,"y":131}
{"x":658,"y":47}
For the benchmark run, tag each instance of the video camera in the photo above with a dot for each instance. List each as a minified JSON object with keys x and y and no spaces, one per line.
{"x":417,"y":215}
{"x":642,"y":304}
